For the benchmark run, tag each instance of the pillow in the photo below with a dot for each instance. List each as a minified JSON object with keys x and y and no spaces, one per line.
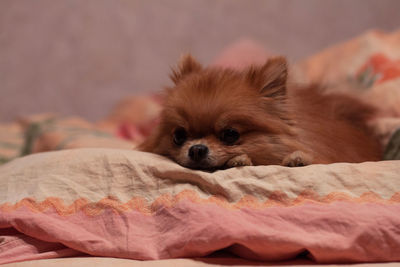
{"x":367,"y":66}
{"x":11,"y":141}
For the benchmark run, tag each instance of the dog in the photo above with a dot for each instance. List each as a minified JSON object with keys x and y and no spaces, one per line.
{"x":215,"y":118}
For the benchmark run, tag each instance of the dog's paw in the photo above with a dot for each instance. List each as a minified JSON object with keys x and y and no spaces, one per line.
{"x":297,"y":159}
{"x":241,"y":160}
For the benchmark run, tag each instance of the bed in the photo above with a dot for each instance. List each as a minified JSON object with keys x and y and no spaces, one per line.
{"x":76,"y":193}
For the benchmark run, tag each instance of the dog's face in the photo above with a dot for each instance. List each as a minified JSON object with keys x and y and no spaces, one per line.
{"x":212,"y":115}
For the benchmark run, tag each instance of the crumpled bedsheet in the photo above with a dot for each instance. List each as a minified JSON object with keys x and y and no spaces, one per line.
{"x":130,"y":204}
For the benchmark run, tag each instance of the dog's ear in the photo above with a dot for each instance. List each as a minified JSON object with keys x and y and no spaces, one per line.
{"x":187,"y":64}
{"x":270,"y":78}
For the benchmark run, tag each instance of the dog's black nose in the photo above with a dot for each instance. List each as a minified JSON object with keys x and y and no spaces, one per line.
{"x":198,"y":152}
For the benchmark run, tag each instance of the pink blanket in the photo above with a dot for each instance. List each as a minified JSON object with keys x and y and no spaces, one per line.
{"x":128,"y":204}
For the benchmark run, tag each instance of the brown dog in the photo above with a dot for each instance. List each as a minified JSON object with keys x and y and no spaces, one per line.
{"x":217,"y":118}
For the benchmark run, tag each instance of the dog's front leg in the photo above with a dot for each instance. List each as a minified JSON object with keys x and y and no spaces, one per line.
{"x":241,"y":160}
{"x":297,"y":159}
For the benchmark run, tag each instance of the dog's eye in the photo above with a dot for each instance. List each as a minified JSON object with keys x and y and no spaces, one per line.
{"x":229,"y":136}
{"x":179,"y":136}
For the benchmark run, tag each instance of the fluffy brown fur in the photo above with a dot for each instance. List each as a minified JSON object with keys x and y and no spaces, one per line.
{"x":274,"y":123}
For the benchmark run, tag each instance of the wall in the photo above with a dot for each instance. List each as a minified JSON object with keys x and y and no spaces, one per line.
{"x":79,"y":57}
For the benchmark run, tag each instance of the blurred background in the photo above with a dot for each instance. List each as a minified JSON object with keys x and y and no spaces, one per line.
{"x":79,"y":57}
